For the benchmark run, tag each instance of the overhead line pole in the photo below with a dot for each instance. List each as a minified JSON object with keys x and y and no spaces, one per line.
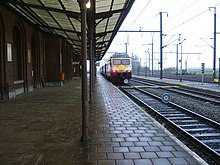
{"x":214,"y":53}
{"x":152,"y":54}
{"x":161,"y":47}
{"x":214,"y":44}
{"x":161,"y":44}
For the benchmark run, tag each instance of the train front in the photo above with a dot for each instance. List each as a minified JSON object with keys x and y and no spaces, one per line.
{"x":121,"y":70}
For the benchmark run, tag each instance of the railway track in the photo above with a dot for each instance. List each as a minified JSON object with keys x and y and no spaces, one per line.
{"x":194,"y":93}
{"x":201,"y":131}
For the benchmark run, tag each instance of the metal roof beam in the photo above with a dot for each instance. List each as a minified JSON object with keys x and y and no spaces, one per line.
{"x":107,"y":14}
{"x":68,"y":13}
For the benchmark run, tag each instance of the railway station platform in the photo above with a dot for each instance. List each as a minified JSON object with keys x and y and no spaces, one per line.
{"x":44,"y":128}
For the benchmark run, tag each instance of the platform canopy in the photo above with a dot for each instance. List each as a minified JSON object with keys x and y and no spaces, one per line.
{"x":62,"y":17}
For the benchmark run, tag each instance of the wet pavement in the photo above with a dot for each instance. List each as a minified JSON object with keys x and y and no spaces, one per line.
{"x":44,"y":128}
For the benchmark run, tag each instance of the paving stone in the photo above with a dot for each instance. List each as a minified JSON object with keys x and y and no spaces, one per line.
{"x":127,"y":131}
{"x":152,"y":148}
{"x":123,"y":135}
{"x":115,"y":156}
{"x":148,"y":155}
{"x":161,"y":161}
{"x":112,"y":144}
{"x":103,"y":139}
{"x":142,"y":144}
{"x":155,"y":143}
{"x":178,"y":161}
{"x":121,"y":149}
{"x":148,"y":134}
{"x":167,"y":148}
{"x":140,"y":131}
{"x":164,"y":154}
{"x":110,"y":135}
{"x":120,"y":128}
{"x":127,"y":144}
{"x":97,"y":156}
{"x":124,"y":162}
{"x":143,"y":162}
{"x":116,"y":132}
{"x":105,"y":149}
{"x":158,"y":138}
{"x":131,"y":155}
{"x":145,"y":139}
{"x":169,"y":143}
{"x":132,"y":128}
{"x":136,"y":149}
{"x":136,"y":135}
{"x":118,"y":139}
{"x":131,"y":139}
{"x":180,"y":154}
{"x":106,"y":162}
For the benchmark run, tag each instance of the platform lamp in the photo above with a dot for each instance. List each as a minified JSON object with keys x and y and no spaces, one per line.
{"x":88,"y":4}
{"x":84,"y":4}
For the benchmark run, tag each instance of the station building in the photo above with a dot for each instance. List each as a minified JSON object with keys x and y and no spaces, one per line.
{"x":45,"y":43}
{"x":31,"y":58}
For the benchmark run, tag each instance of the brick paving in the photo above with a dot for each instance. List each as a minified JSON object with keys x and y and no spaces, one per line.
{"x":44,"y":128}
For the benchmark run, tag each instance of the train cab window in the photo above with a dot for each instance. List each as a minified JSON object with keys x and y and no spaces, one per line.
{"x":125,"y":62}
{"x":117,"y":62}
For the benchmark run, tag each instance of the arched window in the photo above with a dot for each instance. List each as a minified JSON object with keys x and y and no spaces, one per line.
{"x":17,"y":54}
{"x":1,"y":63}
{"x":35,"y":60}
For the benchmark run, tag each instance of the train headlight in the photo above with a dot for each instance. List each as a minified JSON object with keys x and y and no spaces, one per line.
{"x":113,"y":71}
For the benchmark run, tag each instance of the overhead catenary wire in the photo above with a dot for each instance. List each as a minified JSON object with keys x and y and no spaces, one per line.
{"x":190,"y":19}
{"x":184,"y":9}
{"x":136,"y":18}
{"x":140,"y":13}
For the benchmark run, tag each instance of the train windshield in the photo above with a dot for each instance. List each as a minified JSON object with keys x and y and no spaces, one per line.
{"x":117,"y":62}
{"x":121,"y":62}
{"x":125,"y":62}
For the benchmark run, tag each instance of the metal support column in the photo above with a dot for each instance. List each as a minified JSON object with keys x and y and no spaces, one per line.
{"x":177,"y":60}
{"x":219,"y":71}
{"x":85,"y":107}
{"x":91,"y":25}
{"x":161,"y":44}
{"x":149,"y":62}
{"x":161,"y":47}
{"x":152,"y":54}
{"x":214,"y":46}
{"x":181,"y":64}
{"x":91,"y":71}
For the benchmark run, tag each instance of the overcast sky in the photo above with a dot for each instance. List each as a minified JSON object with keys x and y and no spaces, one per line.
{"x":190,"y":18}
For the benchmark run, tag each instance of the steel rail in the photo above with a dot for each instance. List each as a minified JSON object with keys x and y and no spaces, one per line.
{"x":204,"y":96}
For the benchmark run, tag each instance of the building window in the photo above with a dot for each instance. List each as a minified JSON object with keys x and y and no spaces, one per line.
{"x":17,"y":55}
